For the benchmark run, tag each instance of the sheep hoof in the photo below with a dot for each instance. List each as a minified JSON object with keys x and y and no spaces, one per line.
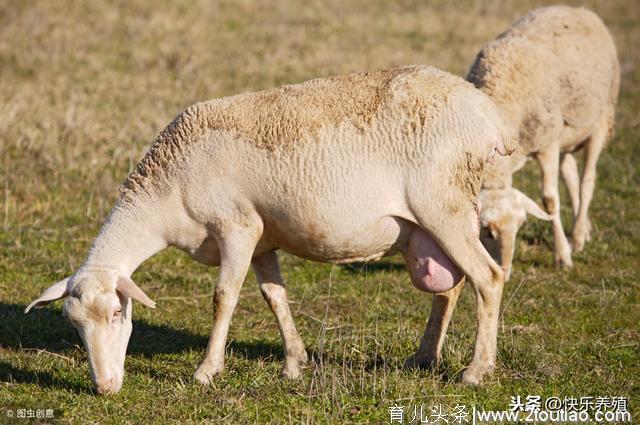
{"x":473,"y":375}
{"x":417,"y":362}
{"x":565,"y":263}
{"x":291,"y":370}
{"x":580,"y":235}
{"x":302,"y":356}
{"x":578,"y":240}
{"x":205,"y":373}
{"x":577,"y":244}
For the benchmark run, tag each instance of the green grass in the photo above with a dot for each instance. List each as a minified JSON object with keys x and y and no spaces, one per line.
{"x":85,"y":89}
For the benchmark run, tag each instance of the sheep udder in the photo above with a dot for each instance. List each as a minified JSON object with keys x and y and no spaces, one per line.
{"x":430,"y":268}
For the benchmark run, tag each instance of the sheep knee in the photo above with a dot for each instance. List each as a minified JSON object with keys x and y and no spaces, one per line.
{"x":549,"y":203}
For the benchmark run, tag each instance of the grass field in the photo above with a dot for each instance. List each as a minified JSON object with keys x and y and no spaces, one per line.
{"x":83,"y":91}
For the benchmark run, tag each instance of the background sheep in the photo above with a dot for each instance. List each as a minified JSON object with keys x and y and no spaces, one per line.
{"x":555,"y":76}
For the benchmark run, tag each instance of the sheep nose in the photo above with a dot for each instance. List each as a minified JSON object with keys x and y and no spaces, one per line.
{"x":105,"y":385}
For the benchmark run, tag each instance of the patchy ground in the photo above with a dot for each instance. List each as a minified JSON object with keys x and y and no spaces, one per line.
{"x":83,"y":92}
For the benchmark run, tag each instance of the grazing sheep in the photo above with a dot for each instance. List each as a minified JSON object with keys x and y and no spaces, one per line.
{"x":555,"y":76}
{"x":349,"y":168}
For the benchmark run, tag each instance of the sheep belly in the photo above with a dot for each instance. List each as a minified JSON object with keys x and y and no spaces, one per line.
{"x":430,"y":268}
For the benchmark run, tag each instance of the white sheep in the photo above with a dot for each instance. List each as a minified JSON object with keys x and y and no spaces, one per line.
{"x":348,"y":168}
{"x":555,"y":76}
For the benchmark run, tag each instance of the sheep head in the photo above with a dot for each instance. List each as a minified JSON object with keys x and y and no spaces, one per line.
{"x":502,"y":214}
{"x":98,"y":304}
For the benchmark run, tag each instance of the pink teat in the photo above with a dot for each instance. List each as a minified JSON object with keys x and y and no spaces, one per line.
{"x":430,"y":268}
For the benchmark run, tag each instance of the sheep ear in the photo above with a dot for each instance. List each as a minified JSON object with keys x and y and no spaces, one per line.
{"x":53,"y":293}
{"x":128,"y":288}
{"x":532,"y":208}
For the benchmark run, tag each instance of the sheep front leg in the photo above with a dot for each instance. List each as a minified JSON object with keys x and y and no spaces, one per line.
{"x":429,"y":353}
{"x":273,"y":290}
{"x":549,"y":163}
{"x":235,"y":256}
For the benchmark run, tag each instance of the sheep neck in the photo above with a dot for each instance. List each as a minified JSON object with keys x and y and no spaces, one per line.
{"x":127,"y":238}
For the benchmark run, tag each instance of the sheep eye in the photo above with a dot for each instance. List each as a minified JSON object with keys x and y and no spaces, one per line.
{"x":487,"y":233}
{"x":116,"y":313}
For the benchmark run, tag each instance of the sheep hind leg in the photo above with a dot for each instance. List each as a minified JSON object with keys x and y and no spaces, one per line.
{"x":464,"y":248}
{"x":569,"y":171}
{"x":236,"y":249}
{"x":429,"y":354}
{"x":273,"y":290}
{"x":550,"y":163}
{"x":582,"y":229}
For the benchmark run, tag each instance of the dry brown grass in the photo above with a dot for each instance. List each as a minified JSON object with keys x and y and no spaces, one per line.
{"x":96,"y":83}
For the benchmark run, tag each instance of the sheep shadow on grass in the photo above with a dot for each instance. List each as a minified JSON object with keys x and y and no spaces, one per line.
{"x":46,"y":330}
{"x":372,"y":267}
{"x":23,"y":375}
